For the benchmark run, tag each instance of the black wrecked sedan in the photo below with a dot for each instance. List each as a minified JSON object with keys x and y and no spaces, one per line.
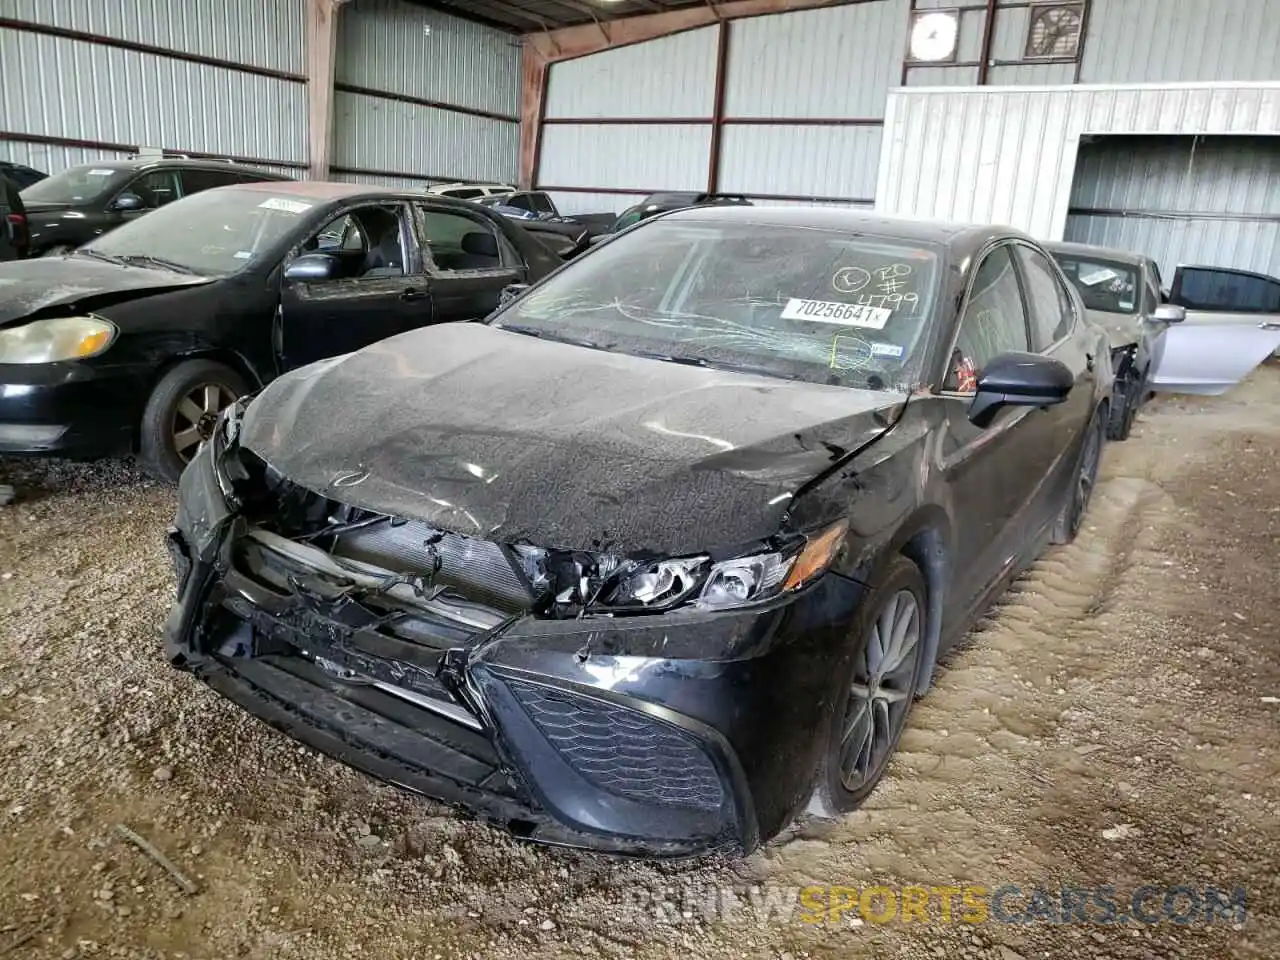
{"x":138,"y":340}
{"x":659,"y":555}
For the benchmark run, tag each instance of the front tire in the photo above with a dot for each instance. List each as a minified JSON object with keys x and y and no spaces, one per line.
{"x":876,"y":692}
{"x":60,"y":250}
{"x":181,"y":414}
{"x":1084,"y":479}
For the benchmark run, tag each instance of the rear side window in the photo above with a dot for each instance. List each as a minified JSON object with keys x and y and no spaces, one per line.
{"x":457,"y":242}
{"x":193,"y":181}
{"x":465,"y":194}
{"x":521,"y":201}
{"x":1049,"y":303}
{"x":541,"y":203}
{"x":1200,"y":288}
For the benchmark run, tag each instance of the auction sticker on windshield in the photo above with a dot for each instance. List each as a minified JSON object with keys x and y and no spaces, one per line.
{"x":288,"y":206}
{"x":845,"y":314}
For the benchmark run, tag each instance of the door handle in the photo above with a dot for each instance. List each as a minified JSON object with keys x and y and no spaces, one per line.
{"x":1269,"y":325}
{"x":413,"y":294}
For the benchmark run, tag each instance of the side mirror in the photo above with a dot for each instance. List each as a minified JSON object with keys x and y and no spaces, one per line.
{"x":512,"y":291}
{"x":1169,"y":313}
{"x":127,"y":202}
{"x":1019,"y":380}
{"x":310,"y":267}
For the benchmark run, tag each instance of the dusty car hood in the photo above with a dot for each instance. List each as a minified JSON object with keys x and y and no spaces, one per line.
{"x":504,"y":436}
{"x":31,"y":286}
{"x":1122,"y":330}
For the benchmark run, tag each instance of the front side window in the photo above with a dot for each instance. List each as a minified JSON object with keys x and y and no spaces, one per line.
{"x":213,"y":233}
{"x":994,"y":322}
{"x":364,"y":242}
{"x":457,"y":242}
{"x":1203,"y":288}
{"x":541,"y":203}
{"x":1052,"y":312}
{"x":1108,"y":286}
{"x":798,"y":303}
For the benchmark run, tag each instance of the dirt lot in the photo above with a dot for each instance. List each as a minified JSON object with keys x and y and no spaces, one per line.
{"x":1127,"y":685}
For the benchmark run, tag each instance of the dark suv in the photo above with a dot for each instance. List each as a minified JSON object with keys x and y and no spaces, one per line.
{"x":80,"y":203}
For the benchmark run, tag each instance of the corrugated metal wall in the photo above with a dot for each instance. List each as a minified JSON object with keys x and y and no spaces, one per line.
{"x":264,"y":33}
{"x":1139,"y":41}
{"x":1008,"y":155}
{"x":399,"y":69}
{"x":67,"y":100}
{"x":1208,"y":200}
{"x":671,"y":78}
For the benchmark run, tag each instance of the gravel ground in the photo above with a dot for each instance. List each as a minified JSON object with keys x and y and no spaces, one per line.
{"x":1114,"y":721}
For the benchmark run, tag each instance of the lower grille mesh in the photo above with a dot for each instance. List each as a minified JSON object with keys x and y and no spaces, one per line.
{"x":623,"y":751}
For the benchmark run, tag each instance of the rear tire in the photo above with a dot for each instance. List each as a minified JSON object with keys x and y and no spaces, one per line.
{"x":1083,"y":480}
{"x":1124,"y":410}
{"x":876,"y":691}
{"x":181,"y":414}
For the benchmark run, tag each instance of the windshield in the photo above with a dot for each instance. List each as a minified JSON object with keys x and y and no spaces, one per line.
{"x":215,"y":232}
{"x":77,"y":185}
{"x":1105,"y":285}
{"x":794,"y":302}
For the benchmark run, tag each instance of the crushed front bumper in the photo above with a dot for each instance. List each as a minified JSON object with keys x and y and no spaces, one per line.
{"x":664,"y":736}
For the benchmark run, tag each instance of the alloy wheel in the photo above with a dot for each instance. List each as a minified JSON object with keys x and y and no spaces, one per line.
{"x":196,"y":416}
{"x":1086,"y":477}
{"x":880,"y":696}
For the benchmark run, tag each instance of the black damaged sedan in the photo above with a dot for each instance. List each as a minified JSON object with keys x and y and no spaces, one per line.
{"x":659,"y":555}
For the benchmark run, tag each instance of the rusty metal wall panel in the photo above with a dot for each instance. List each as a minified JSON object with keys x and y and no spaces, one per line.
{"x":671,"y":77}
{"x":1139,"y":41}
{"x":836,"y":62}
{"x":1008,"y":154}
{"x":264,"y":33}
{"x":400,"y":48}
{"x":118,"y":96}
{"x":374,"y":133}
{"x":803,"y":161}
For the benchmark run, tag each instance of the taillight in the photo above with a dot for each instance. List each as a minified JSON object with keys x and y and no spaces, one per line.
{"x":18,"y":229}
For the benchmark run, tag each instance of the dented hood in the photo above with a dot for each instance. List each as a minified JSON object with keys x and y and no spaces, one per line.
{"x":511,"y":438}
{"x":29,"y":287}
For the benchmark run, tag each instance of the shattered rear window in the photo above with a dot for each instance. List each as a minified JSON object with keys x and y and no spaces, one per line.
{"x":821,"y":305}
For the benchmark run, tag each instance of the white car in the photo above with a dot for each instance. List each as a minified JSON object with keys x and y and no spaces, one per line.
{"x":470,"y":191}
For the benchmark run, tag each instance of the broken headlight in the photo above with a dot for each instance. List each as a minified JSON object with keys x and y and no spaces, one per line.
{"x":658,"y":585}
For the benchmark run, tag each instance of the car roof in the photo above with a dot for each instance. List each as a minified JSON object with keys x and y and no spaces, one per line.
{"x":1090,"y":250}
{"x":140,"y":163}
{"x":957,"y":235}
{"x":331,"y":190}
{"x":321,"y":189}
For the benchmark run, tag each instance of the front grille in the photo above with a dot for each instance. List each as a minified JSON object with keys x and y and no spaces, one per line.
{"x":621,"y":751}
{"x":477,"y":567}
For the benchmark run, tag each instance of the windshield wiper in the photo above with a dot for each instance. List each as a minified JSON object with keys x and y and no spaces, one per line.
{"x":145,"y":258}
{"x":104,"y":257}
{"x":757,"y":369}
{"x":546,"y":335}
